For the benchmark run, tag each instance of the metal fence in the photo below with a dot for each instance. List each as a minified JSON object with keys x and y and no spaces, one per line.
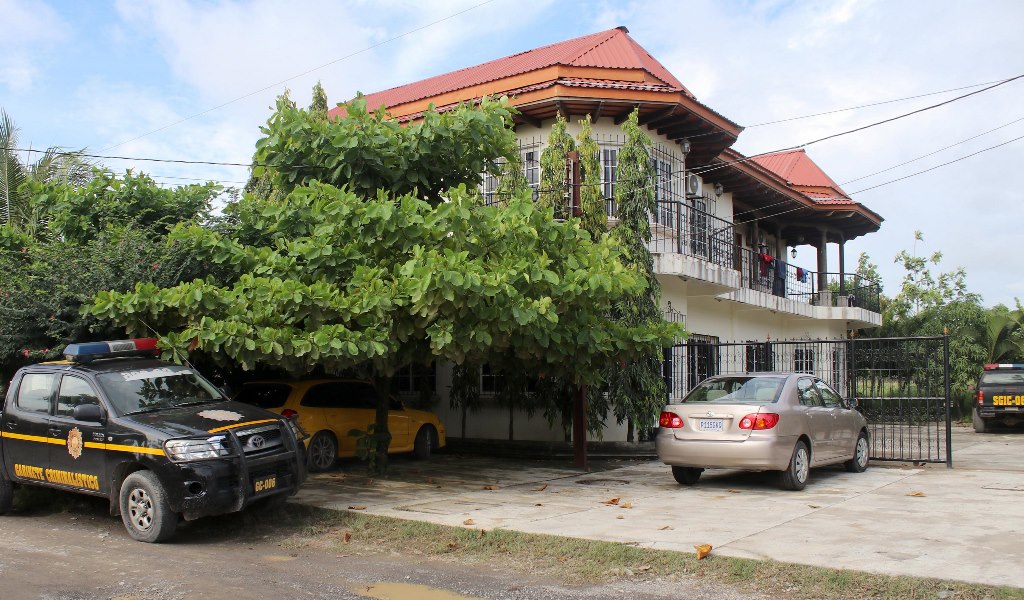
{"x":901,"y":384}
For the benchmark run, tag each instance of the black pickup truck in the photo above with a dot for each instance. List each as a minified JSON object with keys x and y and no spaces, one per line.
{"x":155,"y":438}
{"x":1000,"y":396}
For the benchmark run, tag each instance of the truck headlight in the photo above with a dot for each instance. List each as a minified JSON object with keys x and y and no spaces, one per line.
{"x":187,"y":449}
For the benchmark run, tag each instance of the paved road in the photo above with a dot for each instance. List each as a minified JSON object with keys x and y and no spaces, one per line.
{"x":964,"y":524}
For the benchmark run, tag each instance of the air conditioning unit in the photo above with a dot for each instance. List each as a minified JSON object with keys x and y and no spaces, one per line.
{"x":692,"y":185}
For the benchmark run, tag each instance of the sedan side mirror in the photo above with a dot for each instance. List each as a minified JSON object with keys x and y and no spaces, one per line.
{"x":853,"y":402}
{"x":91,"y":413}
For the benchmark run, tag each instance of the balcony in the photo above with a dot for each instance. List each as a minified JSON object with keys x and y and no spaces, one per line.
{"x":693,"y":245}
{"x":776,"y":285}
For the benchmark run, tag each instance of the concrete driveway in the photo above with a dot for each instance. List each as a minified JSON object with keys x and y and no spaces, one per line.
{"x":964,"y":524}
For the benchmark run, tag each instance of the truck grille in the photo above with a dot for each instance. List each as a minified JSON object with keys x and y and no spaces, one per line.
{"x":260,"y":440}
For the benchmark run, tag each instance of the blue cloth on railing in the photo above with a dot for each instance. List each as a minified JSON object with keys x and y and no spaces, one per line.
{"x":801,"y":275}
{"x":779,"y":285}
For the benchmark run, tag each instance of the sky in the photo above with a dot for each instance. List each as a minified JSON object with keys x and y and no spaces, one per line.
{"x":195,"y":79}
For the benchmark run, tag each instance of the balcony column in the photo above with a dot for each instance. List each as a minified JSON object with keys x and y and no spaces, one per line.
{"x":842,"y":264}
{"x":823,"y":262}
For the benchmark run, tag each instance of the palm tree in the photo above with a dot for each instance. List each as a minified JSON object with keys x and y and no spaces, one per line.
{"x":54,"y":166}
{"x":1004,"y":342}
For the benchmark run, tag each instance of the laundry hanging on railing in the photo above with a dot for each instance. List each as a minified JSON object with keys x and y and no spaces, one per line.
{"x":801,"y":275}
{"x":779,"y":284}
{"x":767,"y":263}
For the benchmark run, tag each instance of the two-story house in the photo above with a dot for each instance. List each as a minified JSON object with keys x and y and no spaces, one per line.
{"x":726,"y":226}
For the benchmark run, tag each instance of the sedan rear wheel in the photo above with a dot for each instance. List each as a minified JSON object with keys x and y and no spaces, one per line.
{"x":686,"y":475}
{"x":859,"y":462}
{"x":795,"y":476}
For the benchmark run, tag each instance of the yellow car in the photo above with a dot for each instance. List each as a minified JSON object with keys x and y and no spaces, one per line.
{"x":328,"y":409}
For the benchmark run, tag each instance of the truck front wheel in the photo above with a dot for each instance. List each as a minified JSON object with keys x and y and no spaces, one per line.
{"x":6,"y":495}
{"x":144,"y":509}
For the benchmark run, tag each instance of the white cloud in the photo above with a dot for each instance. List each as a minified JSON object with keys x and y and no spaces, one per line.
{"x":31,"y":29}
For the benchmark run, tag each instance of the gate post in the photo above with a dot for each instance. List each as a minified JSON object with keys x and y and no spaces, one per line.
{"x":949,"y":415}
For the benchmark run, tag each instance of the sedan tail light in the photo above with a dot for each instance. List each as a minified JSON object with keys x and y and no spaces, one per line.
{"x":759,"y":421}
{"x":670,"y":420}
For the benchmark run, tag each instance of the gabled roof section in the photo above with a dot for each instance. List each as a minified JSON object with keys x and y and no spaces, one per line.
{"x":611,"y":49}
{"x":803,"y":174}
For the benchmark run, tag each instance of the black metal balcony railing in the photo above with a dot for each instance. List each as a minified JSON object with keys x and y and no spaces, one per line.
{"x":777,"y":277}
{"x":678,"y":227}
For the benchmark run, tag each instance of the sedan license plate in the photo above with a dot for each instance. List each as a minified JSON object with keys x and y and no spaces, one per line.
{"x":712,"y":425}
{"x":264,"y":484}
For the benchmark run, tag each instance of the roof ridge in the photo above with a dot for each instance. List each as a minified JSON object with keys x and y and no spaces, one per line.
{"x":611,"y":34}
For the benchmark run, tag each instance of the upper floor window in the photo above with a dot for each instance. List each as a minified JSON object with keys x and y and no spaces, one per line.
{"x":609,"y":168}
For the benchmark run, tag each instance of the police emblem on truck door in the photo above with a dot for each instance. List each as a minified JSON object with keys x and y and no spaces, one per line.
{"x":75,"y":443}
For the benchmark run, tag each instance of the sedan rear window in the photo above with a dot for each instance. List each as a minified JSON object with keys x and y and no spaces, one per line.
{"x":739,"y":389}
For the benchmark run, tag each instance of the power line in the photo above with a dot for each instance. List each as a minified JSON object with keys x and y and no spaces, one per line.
{"x":879,"y":103}
{"x":942,"y":165}
{"x":932,"y":153}
{"x":856,"y":129}
{"x":304,"y":73}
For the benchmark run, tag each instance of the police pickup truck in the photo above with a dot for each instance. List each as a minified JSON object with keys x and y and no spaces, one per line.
{"x":1000,"y":396}
{"x":155,"y":438}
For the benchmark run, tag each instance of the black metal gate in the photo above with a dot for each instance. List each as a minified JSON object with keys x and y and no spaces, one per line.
{"x":901,"y":384}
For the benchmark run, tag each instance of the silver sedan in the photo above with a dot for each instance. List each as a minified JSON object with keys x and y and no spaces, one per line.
{"x":786,"y":422}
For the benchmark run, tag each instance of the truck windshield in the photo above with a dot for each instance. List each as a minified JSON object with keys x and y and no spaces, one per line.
{"x":737,"y":390}
{"x":156,"y":388}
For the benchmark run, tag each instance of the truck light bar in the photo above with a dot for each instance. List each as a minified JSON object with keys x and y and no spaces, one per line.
{"x":89,"y":351}
{"x":993,"y":367}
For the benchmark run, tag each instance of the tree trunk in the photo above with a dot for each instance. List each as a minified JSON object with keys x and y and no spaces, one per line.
{"x":382,"y":385}
{"x":511,"y":422}
{"x":629,"y":429}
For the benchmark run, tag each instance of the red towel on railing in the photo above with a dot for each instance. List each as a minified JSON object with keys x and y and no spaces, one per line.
{"x":800,"y":275}
{"x":766,"y":263}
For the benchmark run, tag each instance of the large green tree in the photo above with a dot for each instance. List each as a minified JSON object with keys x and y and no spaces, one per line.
{"x":553,"y":188}
{"x":385,"y":281}
{"x":637,"y":388}
{"x":372,"y":261}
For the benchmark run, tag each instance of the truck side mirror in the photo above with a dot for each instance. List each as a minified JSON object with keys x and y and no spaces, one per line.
{"x":91,"y":413}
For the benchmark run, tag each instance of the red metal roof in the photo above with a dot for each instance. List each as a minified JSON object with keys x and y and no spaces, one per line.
{"x":799,"y":170}
{"x":611,"y":49}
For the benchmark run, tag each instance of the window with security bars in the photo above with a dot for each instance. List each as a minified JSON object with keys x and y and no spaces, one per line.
{"x":489,"y":188}
{"x":760,"y":357}
{"x":609,"y":168}
{"x":803,"y":360}
{"x":663,"y":192}
{"x":702,"y":360}
{"x":531,"y":168}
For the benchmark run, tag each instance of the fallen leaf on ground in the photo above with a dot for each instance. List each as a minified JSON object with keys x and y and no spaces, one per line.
{"x":644,"y":568}
{"x":483,"y":532}
{"x":703,"y":550}
{"x":490,"y":487}
{"x":357,"y":508}
{"x":469,"y":522}
{"x":348,"y":536}
{"x":916,"y":494}
{"x":541,"y":488}
{"x":620,"y":517}
{"x":626,"y":505}
{"x":813,"y":506}
{"x":665,"y":528}
{"x":733,"y":491}
{"x":563,"y":558}
{"x":611,"y":501}
{"x":539,"y":504}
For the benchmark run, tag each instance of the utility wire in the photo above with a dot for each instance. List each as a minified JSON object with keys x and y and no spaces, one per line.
{"x":879,"y":103}
{"x":932,"y":153}
{"x":942,"y":165}
{"x":856,"y":129}
{"x":304,"y":73}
